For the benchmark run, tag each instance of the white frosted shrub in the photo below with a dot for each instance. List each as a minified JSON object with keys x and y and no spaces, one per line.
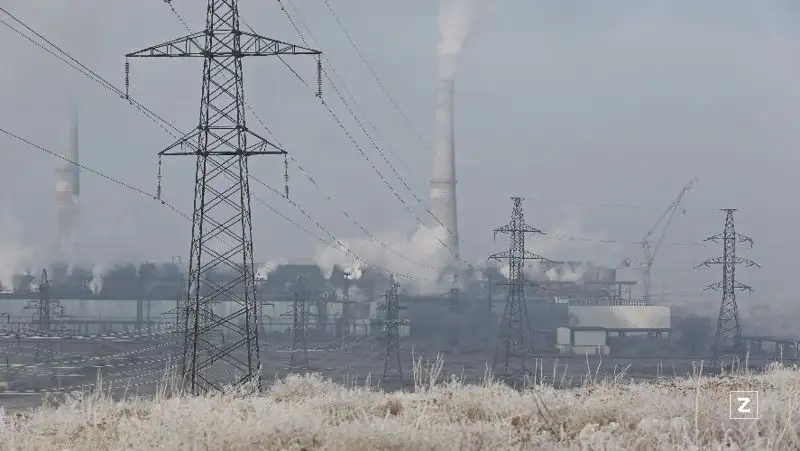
{"x":310,"y":412}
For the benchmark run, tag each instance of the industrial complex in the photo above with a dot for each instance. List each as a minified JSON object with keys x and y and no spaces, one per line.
{"x":219,"y":312}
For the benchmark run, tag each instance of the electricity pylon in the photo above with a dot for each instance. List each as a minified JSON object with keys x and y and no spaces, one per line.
{"x":515,"y":347}
{"x":221,"y":221}
{"x":392,"y":366}
{"x":298,"y":359}
{"x":46,"y":309}
{"x":728,"y":337}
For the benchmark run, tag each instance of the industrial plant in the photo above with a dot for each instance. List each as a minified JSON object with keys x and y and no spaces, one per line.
{"x":220,"y":317}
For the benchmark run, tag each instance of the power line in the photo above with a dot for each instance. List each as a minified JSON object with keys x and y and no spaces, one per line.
{"x":369,"y":137}
{"x":97,"y":173}
{"x":377,"y":79}
{"x":168,"y":127}
{"x":339,"y":246}
{"x":325,"y":193}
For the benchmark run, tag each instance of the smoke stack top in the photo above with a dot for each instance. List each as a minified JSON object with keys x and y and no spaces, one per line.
{"x":456,"y":20}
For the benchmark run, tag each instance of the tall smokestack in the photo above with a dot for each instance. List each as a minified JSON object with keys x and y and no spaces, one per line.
{"x":68,"y":190}
{"x":443,"y":184}
{"x":456,"y":19}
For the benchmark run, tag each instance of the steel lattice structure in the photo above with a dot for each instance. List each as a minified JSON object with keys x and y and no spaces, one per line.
{"x":392,"y":366}
{"x":298,"y":359}
{"x":727,"y":339}
{"x":515,"y":347}
{"x":46,"y":309}
{"x":217,"y":344}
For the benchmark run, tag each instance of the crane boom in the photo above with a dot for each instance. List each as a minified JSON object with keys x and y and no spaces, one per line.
{"x":650,"y":252}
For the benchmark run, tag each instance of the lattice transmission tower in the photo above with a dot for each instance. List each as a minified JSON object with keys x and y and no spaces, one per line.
{"x":298,"y":359}
{"x":48,"y":312}
{"x":727,"y":339}
{"x":515,"y":348}
{"x":221,"y":222}
{"x":392,"y":366}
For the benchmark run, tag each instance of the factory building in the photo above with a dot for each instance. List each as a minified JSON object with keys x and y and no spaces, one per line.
{"x":582,"y":313}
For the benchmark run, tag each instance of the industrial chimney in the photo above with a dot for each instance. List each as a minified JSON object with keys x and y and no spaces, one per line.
{"x":456,"y":20}
{"x":68,"y":190}
{"x":443,"y":183}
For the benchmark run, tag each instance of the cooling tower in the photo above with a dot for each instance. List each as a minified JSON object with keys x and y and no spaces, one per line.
{"x":443,"y":184}
{"x":68,"y":190}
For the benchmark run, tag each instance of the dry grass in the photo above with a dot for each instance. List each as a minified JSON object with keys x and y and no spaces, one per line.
{"x":311,"y":413}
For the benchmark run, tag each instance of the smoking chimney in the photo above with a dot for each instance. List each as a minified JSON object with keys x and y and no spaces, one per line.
{"x":443,"y":183}
{"x":68,"y":190}
{"x":456,"y":20}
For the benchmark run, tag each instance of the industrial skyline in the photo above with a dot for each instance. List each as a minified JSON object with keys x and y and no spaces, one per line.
{"x":483,"y":181}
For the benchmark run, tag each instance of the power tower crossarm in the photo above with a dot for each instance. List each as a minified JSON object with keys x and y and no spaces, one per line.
{"x":194,"y":45}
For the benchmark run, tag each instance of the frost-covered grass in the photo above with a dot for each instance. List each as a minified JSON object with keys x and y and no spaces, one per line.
{"x":311,"y":413}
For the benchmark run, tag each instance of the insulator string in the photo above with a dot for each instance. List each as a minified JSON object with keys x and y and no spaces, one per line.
{"x":286,"y":175}
{"x":158,"y":177}
{"x":319,"y":77}
{"x":127,"y":79}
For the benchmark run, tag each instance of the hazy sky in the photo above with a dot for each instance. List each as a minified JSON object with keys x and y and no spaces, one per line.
{"x":576,"y":106}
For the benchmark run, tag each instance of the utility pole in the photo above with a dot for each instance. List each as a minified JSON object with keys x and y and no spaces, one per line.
{"x":729,"y":333}
{"x":515,"y":347}
{"x":221,"y":221}
{"x":298,"y":359}
{"x":392,"y":366}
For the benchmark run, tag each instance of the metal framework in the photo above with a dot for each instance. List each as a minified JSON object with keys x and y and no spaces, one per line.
{"x":728,"y":337}
{"x":392,"y":366}
{"x":298,"y":359}
{"x":515,"y":347}
{"x":344,"y":324}
{"x":46,"y":310}
{"x":221,"y":222}
{"x":651,"y":251}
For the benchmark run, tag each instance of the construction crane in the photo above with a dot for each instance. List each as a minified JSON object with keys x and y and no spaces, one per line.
{"x":651,"y":251}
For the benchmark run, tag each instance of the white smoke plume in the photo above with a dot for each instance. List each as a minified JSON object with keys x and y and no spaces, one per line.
{"x":422,"y":257}
{"x":457,"y":20}
{"x":263,"y":272}
{"x":99,"y":272}
{"x":16,"y":256}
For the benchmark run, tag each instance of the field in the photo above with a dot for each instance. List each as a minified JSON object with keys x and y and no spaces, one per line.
{"x":308,"y":412}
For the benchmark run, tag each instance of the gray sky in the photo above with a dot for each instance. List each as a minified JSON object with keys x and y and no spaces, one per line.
{"x":572,"y":105}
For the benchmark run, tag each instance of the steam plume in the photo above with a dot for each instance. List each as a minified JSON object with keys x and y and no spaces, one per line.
{"x":424,"y":257}
{"x":456,"y":22}
{"x":456,"y":19}
{"x":99,"y":272}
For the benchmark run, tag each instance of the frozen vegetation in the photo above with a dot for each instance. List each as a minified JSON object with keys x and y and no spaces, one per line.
{"x":311,"y":413}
